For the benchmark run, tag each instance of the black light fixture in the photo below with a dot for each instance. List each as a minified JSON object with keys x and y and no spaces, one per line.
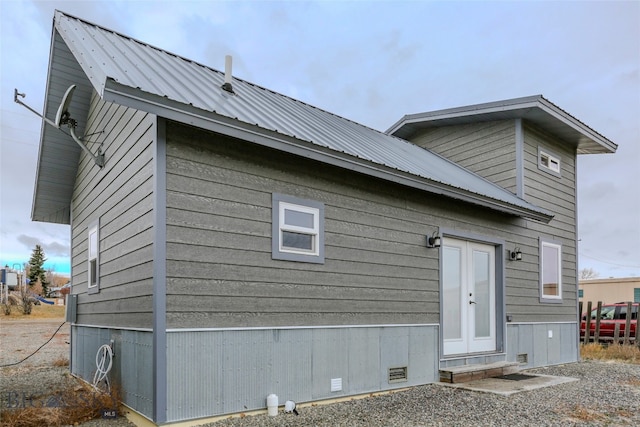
{"x":515,"y":255}
{"x":434,"y":240}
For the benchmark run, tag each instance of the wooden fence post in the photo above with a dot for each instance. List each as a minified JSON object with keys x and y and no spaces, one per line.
{"x":596,"y":336}
{"x":627,"y":323}
{"x":587,"y":323}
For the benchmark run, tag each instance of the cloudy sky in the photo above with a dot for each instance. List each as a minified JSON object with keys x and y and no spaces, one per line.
{"x":372,"y":62}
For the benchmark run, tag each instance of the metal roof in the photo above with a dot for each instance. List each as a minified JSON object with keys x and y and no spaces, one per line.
{"x":535,"y":109}
{"x":135,"y":74}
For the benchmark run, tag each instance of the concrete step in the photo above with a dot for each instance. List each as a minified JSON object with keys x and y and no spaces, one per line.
{"x":466,"y":373}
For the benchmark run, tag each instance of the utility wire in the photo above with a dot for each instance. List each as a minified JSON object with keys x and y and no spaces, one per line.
{"x":610,"y":263}
{"x":54,"y":334}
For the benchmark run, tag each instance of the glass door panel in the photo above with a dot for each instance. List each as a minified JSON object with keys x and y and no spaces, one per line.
{"x":452,"y":293}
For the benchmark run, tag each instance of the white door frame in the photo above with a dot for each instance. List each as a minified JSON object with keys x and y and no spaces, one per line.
{"x":468,"y":282}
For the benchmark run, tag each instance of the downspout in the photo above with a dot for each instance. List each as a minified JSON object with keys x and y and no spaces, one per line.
{"x":160,"y":274}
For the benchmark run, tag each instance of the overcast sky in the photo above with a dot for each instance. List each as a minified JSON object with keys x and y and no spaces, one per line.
{"x":371,"y":62}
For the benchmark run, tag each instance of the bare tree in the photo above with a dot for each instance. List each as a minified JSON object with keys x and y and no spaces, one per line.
{"x":588,"y":274}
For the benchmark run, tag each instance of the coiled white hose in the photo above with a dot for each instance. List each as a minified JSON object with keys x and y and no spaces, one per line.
{"x":104,"y":360}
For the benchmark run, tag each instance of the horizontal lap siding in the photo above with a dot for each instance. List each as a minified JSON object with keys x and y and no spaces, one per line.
{"x":557,"y":195}
{"x":121,"y":196}
{"x":220,"y":272}
{"x":486,"y":148}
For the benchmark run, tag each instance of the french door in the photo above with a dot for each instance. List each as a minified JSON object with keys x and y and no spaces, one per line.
{"x":468,"y":297}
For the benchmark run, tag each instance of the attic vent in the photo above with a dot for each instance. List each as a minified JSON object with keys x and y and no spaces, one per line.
{"x":398,"y":375}
{"x":522,"y":358}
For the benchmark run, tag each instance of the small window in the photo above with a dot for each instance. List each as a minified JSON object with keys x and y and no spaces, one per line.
{"x":548,"y":162}
{"x":93,"y":255}
{"x":297,"y":229}
{"x":580,"y":293}
{"x":550,"y":272}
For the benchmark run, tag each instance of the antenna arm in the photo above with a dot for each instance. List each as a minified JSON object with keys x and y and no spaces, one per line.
{"x":17,"y":94}
{"x":98,"y":159}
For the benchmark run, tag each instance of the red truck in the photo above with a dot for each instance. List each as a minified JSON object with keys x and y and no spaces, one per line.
{"x":610,"y":315}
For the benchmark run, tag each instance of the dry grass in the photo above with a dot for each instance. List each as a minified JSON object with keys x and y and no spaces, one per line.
{"x":73,"y":405}
{"x":582,"y":413}
{"x":60,"y":362}
{"x":616,"y":352}
{"x":42,"y":311}
{"x":633,"y":382}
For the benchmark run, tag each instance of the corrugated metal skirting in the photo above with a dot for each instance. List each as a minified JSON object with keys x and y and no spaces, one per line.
{"x":543,"y":343}
{"x":132,"y":368}
{"x":219,"y":372}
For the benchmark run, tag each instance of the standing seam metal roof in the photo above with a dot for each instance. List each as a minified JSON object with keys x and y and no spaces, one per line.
{"x":104,"y":55}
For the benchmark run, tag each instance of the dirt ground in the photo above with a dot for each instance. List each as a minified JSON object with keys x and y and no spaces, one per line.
{"x":43,"y":371}
{"x":20,"y":337}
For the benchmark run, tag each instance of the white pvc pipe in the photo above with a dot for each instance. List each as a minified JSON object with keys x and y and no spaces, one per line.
{"x":227,"y":69}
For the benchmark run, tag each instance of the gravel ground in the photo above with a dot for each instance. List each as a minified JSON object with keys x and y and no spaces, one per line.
{"x":608,"y":394}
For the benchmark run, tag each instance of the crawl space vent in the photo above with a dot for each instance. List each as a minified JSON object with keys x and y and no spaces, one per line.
{"x":398,"y":375}
{"x":522,"y":358}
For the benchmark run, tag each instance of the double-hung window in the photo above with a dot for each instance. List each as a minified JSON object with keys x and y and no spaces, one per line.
{"x":297,"y":229}
{"x":93,"y":261}
{"x":550,"y":271}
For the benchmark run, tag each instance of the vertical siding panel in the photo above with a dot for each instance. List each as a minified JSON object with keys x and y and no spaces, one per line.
{"x":292,"y":362}
{"x":423,"y":355}
{"x":526,"y":343}
{"x":364,"y":358}
{"x":329,"y":361}
{"x":394,"y":351}
{"x":540,"y":345}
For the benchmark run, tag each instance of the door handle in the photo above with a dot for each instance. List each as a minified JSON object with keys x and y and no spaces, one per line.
{"x":472,"y":302}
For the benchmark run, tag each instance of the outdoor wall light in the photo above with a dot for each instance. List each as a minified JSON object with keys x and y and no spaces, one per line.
{"x":516,"y":255}
{"x":434,"y":241}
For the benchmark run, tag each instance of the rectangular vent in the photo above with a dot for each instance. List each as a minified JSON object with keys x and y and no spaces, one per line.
{"x":398,"y":375}
{"x":336,"y":384}
{"x":522,"y":358}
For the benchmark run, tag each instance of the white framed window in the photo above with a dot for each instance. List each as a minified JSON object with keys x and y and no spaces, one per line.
{"x":548,"y":162}
{"x":550,"y":271}
{"x":297,"y":229}
{"x":93,"y":257}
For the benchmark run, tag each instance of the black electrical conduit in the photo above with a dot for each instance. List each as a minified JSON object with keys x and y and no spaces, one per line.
{"x":37,"y":350}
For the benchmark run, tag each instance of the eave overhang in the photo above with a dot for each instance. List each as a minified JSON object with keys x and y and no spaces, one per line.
{"x":534,"y":109}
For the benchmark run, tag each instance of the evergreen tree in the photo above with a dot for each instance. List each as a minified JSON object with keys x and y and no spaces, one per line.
{"x":36,"y":270}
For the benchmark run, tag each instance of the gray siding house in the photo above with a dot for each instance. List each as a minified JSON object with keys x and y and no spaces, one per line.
{"x":237,"y":242}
